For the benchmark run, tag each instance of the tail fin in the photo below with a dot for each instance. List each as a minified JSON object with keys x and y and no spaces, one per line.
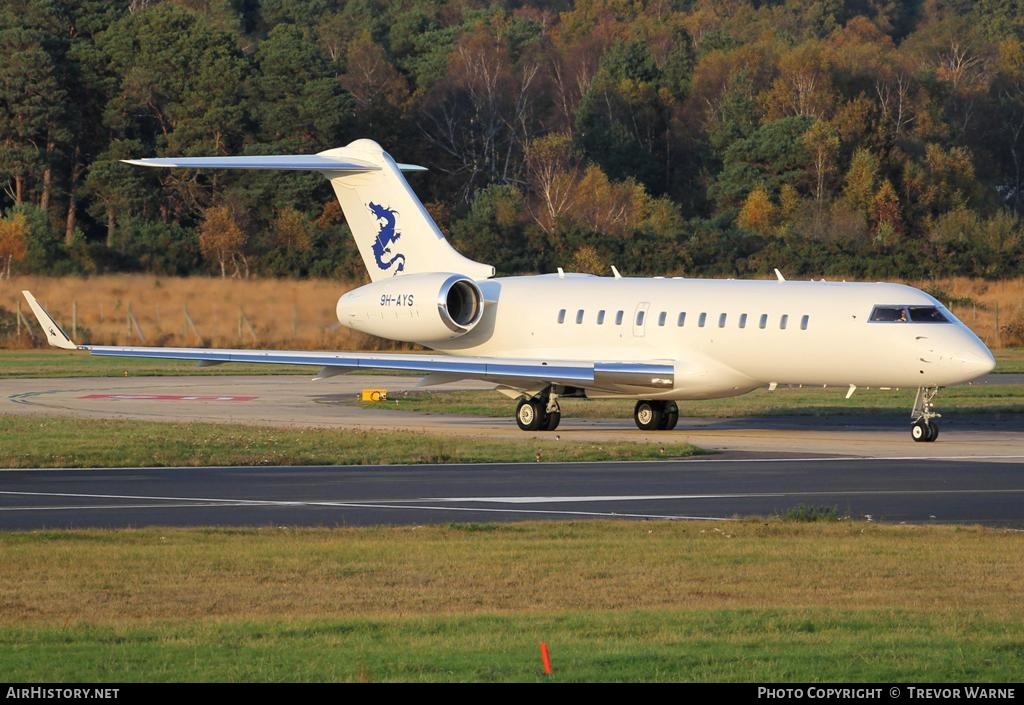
{"x":392,"y":229}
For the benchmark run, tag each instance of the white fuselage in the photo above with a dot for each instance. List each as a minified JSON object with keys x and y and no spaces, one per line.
{"x":724,"y":337}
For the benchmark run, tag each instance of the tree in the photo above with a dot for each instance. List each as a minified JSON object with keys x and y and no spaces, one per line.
{"x":300,"y":104}
{"x":554,"y":178}
{"x":757,"y":212}
{"x":822,"y":142}
{"x":621,"y":122}
{"x":13,"y":242}
{"x":380,"y":92}
{"x":220,"y":239}
{"x":775,"y":154}
{"x":804,"y":85}
{"x":587,"y":260}
{"x":118,"y":189}
{"x":497,"y":230}
{"x":481,"y":113}
{"x":861,"y":181}
{"x":32,"y":100}
{"x":886,"y":219}
{"x":290,"y":230}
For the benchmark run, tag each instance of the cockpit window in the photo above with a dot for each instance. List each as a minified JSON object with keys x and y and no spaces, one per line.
{"x":907,"y":314}
{"x":927,"y":314}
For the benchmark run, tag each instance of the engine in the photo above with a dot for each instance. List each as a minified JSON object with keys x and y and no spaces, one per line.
{"x":417,"y":308}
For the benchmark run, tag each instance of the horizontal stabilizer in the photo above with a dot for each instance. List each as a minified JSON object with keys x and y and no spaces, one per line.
{"x":286,"y":162}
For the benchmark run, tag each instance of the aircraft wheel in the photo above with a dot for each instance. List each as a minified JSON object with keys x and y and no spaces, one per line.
{"x":934,"y":432}
{"x":670,"y":416}
{"x":647,"y":415}
{"x":921,"y":432}
{"x":529,"y":414}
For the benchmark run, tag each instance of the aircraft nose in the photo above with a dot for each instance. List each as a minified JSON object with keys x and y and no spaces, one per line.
{"x":977,"y":360}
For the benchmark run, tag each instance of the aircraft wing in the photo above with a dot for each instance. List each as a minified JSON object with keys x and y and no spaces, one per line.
{"x":512,"y":372}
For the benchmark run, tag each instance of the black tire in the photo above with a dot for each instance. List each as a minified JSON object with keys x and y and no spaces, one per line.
{"x":529,"y":414}
{"x":671,"y":416}
{"x":934,"y":432}
{"x":647,"y":415}
{"x":552,"y":421}
{"x":921,"y":432}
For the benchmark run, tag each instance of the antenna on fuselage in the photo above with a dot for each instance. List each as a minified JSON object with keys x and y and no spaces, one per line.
{"x":778,"y":275}
{"x":616,"y":272}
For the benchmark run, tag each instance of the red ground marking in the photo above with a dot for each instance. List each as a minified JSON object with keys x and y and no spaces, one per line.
{"x":169,"y":397}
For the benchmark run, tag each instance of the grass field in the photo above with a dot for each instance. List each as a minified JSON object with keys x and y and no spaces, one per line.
{"x":753,"y":600}
{"x":43,"y":441}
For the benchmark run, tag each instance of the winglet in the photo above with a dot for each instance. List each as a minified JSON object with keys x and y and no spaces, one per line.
{"x":55,"y":335}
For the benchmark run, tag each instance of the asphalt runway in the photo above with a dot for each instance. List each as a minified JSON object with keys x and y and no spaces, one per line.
{"x":955,"y":490}
{"x":864,"y":466}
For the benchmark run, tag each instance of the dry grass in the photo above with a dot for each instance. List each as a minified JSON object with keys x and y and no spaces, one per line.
{"x":300,"y":314}
{"x":988,"y":307}
{"x":281,"y":312}
{"x":157,"y":575}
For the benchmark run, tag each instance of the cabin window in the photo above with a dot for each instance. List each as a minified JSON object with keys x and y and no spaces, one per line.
{"x":804,"y":320}
{"x":702,"y":320}
{"x":763,"y":323}
{"x":783,"y":321}
{"x":618,"y":318}
{"x":662,"y":318}
{"x":721,"y":320}
{"x":561,"y":316}
{"x":640,"y":317}
{"x":579,"y":317}
{"x":682,"y":319}
{"x":600,"y":317}
{"x":743,"y":320}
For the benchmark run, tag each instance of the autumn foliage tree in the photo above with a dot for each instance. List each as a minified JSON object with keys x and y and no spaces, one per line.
{"x":221,"y":240}
{"x":13,"y":242}
{"x":757,"y":212}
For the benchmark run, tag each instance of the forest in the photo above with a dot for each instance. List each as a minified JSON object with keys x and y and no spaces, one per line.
{"x":855,"y":138}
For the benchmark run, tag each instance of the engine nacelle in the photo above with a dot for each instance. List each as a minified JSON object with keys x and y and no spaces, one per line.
{"x":416,"y":308}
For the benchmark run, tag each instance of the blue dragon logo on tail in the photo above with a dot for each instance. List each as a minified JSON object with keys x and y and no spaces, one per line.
{"x":386,"y":237}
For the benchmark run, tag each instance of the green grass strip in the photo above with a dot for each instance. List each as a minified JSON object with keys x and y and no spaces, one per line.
{"x":42,"y":441}
{"x":801,"y":645}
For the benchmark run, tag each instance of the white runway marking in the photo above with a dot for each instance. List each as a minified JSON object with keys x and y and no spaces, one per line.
{"x":446,"y":504}
{"x":596,"y":498}
{"x":187,"y":502}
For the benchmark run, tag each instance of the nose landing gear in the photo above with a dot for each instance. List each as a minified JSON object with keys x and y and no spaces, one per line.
{"x":925,"y":430}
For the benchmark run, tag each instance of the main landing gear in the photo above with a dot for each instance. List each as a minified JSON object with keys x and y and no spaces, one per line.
{"x":656,"y":415}
{"x":925,"y":430}
{"x":539,"y":413}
